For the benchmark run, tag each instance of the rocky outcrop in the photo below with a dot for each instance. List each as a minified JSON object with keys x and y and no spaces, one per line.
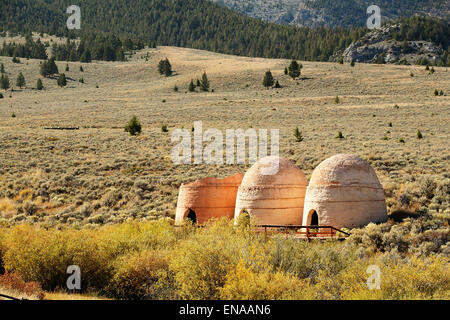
{"x":378,"y":46}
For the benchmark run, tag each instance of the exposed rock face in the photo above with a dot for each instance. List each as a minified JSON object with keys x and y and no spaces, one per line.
{"x":345,"y":191}
{"x":273,"y":199}
{"x":344,"y":13}
{"x":208,"y":198}
{"x":379,"y":47}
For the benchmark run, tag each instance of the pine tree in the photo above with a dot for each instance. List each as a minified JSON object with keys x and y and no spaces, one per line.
{"x":2,"y":68}
{"x":161,"y":67}
{"x":191,"y":87}
{"x":49,"y":68}
{"x":294,"y":70}
{"x":204,"y":84}
{"x":67,"y":67}
{"x":133,"y":126}
{"x":4,"y":82}
{"x":20,"y":82}
{"x":86,"y":56}
{"x":336,"y":100}
{"x":419,"y":134}
{"x":39,"y":85}
{"x":268,"y":79}
{"x":164,"y":67}
{"x":81,"y":69}
{"x":62,"y":82}
{"x":277,"y":84}
{"x":167,"y":68}
{"x":298,"y":135}
{"x":286,"y":71}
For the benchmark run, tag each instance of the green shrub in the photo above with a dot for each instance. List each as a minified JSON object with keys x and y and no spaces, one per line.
{"x":133,"y":126}
{"x":305,"y":260}
{"x":340,"y":135}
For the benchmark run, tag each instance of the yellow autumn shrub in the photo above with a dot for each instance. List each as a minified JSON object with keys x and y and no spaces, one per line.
{"x":202,"y":262}
{"x":141,"y":275}
{"x":243,"y":283}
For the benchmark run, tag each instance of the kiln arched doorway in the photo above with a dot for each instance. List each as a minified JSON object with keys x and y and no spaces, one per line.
{"x":192,"y":216}
{"x":313,"y":218}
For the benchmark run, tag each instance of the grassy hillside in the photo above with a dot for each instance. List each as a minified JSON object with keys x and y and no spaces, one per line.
{"x":187,"y":23}
{"x":99,"y":174}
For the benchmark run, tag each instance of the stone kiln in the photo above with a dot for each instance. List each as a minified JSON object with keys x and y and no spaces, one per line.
{"x":273,"y":199}
{"x":344,"y":191}
{"x":208,"y":198}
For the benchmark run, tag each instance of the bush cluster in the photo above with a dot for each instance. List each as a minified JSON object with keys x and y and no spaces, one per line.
{"x":155,"y":260}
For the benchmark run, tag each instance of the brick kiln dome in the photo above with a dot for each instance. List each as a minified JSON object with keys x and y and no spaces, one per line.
{"x":344,"y":191}
{"x":207,"y":198}
{"x":276,"y":198}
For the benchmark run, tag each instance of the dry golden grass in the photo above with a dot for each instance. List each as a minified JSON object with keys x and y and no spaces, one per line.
{"x":99,"y":174}
{"x":66,"y":296}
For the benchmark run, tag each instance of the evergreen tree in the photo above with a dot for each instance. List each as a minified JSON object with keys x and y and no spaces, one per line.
{"x":49,"y":68}
{"x":20,"y":82}
{"x":62,"y":82}
{"x":337,"y":100}
{"x":419,"y":134}
{"x":204,"y":84}
{"x":39,"y":84}
{"x":161,"y":67}
{"x":86,"y":56}
{"x":298,"y":135}
{"x":133,"y":126}
{"x":67,"y":67}
{"x":167,"y":68}
{"x":191,"y":87}
{"x":268,"y":79}
{"x":277,"y":84}
{"x":4,"y":82}
{"x":2,"y":68}
{"x":294,"y":70}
